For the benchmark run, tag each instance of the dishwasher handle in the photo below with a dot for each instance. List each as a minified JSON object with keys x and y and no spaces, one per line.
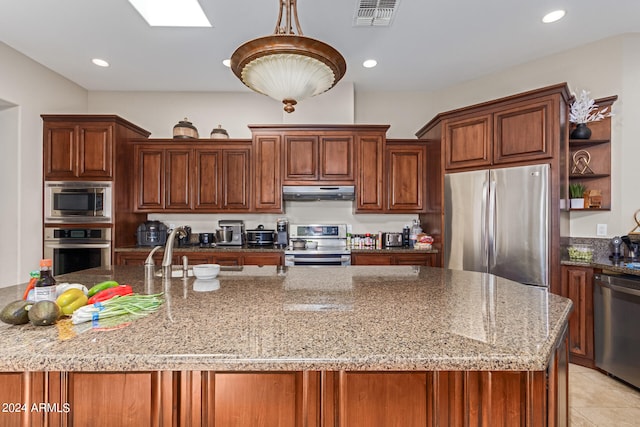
{"x":606,"y":282}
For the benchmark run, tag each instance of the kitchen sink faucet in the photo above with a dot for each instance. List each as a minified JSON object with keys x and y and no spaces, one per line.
{"x":168,"y":250}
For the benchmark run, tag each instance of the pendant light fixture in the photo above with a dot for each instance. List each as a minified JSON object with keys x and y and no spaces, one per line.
{"x":286,"y":66}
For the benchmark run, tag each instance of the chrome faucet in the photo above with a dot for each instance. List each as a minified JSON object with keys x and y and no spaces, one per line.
{"x":168,"y":250}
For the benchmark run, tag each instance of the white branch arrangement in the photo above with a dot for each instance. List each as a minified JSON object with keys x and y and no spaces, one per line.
{"x":585,"y":110}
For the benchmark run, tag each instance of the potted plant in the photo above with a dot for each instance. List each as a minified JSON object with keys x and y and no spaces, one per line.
{"x":576,"y":191}
{"x":585,"y":110}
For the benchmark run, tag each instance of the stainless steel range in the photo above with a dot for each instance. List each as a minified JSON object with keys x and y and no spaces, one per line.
{"x":317,"y":245}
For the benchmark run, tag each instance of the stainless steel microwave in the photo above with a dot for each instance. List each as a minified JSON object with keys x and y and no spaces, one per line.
{"x":77,"y":201}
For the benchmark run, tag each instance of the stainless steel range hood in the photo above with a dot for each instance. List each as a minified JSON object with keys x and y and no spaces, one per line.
{"x":318,"y":192}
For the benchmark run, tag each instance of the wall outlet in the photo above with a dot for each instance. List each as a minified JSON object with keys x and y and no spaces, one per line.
{"x":601,"y":230}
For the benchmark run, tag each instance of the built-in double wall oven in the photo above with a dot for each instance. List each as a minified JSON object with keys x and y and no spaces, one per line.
{"x":77,"y":232}
{"x":74,"y":249}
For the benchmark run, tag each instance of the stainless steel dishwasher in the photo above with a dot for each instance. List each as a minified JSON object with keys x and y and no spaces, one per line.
{"x":616,"y":306}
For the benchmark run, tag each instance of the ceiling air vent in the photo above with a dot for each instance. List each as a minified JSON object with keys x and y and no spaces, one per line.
{"x":374,"y":13}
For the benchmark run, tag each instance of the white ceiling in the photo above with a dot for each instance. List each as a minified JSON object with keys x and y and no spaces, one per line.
{"x":430,"y":44}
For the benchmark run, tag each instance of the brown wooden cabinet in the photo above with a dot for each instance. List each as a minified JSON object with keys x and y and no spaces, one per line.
{"x":326,"y":157}
{"x":84,"y":147}
{"x":467,"y":141}
{"x":96,"y":147}
{"x":290,"y":398}
{"x":317,"y":155}
{"x":391,"y":175}
{"x":394,"y":258}
{"x":519,"y":132}
{"x":163,"y":177}
{"x":406,"y":176}
{"x":78,"y":149}
{"x":577,"y":285}
{"x":596,"y":173}
{"x":194,"y":177}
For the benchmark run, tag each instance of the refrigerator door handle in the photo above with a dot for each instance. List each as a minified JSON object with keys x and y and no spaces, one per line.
{"x":484,"y":234}
{"x":492,"y":226}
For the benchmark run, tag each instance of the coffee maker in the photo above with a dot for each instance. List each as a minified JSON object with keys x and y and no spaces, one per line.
{"x":237,"y":230}
{"x":282,"y":233}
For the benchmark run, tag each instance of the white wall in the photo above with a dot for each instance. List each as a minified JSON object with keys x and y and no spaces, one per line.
{"x":32,"y":90}
{"x":158,"y":112}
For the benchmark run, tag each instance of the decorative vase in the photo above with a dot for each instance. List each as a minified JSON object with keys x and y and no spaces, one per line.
{"x":581,"y":131}
{"x":185,"y":129}
{"x":219,"y":133}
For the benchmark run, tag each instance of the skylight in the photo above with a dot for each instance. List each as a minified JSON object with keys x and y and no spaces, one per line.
{"x":171,"y":13}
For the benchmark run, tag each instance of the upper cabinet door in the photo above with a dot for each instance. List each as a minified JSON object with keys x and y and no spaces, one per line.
{"x":60,"y":147}
{"x":300,"y":158}
{"x":95,"y":150}
{"x":178,"y":175}
{"x":208,"y":173}
{"x":149,"y":179}
{"x":236,"y":179}
{"x":406,"y":186}
{"x":267,"y":173}
{"x":337,"y":158}
{"x":369,"y":185}
{"x":524,"y":132}
{"x":467,"y":141}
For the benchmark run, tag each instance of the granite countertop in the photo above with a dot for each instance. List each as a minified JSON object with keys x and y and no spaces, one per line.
{"x":304,"y":318}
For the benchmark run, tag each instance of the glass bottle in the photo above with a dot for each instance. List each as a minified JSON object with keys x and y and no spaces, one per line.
{"x":45,"y":287}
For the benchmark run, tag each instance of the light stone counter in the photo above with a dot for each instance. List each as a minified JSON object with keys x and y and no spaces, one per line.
{"x":305,"y":318}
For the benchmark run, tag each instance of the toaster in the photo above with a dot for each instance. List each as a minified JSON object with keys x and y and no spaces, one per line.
{"x":391,"y":240}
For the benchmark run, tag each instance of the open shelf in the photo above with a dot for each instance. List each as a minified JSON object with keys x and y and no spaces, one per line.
{"x":597,"y":150}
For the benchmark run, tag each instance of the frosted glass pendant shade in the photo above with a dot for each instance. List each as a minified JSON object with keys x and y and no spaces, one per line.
{"x":288,"y":76}
{"x":286,"y":66}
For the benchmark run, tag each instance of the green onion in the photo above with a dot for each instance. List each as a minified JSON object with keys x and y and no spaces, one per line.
{"x":133,"y":304}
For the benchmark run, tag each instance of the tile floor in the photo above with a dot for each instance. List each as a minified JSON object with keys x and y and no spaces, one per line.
{"x":596,"y":400}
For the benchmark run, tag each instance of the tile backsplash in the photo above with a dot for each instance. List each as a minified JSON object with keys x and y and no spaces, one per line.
{"x":331,"y":212}
{"x":601,"y":247}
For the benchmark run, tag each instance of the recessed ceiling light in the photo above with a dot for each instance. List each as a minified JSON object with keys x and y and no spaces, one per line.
{"x":171,"y":13}
{"x":554,"y":16}
{"x":100,"y":62}
{"x":369,"y":63}
{"x":226,"y":63}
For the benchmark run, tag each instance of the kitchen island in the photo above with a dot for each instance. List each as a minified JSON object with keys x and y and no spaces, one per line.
{"x":331,"y":346}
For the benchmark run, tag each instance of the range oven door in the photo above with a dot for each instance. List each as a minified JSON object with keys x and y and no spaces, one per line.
{"x":74,"y":249}
{"x":313,"y":258}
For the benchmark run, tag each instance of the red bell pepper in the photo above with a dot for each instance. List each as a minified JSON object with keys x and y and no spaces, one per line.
{"x":110,"y":293}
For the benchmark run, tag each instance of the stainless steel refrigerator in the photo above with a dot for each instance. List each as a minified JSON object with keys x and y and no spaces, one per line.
{"x":497,"y":221}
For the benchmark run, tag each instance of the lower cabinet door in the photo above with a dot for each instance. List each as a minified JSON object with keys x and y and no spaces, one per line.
{"x":110,"y":399}
{"x":577,"y":285}
{"x":286,"y":399}
{"x":371,"y":259}
{"x":262,"y":259}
